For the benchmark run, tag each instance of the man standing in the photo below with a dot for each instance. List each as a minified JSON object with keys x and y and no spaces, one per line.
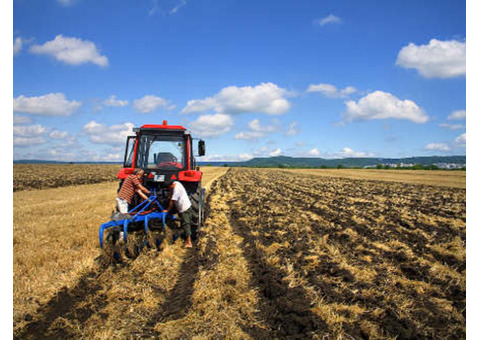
{"x":130,"y":186}
{"x":180,"y":198}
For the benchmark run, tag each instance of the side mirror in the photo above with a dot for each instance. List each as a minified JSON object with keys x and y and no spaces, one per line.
{"x":201,"y":148}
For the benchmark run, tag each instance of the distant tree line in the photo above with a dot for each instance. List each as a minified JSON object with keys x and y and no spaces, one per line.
{"x":341,"y":166}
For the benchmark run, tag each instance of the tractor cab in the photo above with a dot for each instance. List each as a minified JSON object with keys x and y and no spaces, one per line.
{"x":163,"y":152}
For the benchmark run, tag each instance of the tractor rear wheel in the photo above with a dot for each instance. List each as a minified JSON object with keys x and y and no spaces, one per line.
{"x":198,"y":204}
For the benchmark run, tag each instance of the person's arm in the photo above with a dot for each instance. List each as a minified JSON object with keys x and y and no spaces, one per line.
{"x":142,"y":195}
{"x":139,"y":188}
{"x":145,"y":190}
{"x":170,"y":206}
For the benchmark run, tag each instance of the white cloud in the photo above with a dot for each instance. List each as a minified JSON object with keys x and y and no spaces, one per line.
{"x":245,"y":156}
{"x":452,"y":126}
{"x":17,"y":45}
{"x":256,"y":126}
{"x":28,"y":135}
{"x":292,"y":129}
{"x":150,"y":103}
{"x":314,"y":152}
{"x":211,"y":125}
{"x":438,"y":59}
{"x":177,"y":7}
{"x":29,"y":130}
{"x":275,"y":153}
{"x":383,"y":105}
{"x":66,"y":3}
{"x":72,"y":51}
{"x":224,"y":158}
{"x":52,"y":104}
{"x":437,"y":147}
{"x":329,"y":19}
{"x":112,"y":157}
{"x":27,"y":141}
{"x":257,"y":130}
{"x":458,"y":115}
{"x":462,"y":139}
{"x":249,"y":135}
{"x":265,"y":98}
{"x":347,"y":152}
{"x":111,"y":135}
{"x":17,"y":119}
{"x":113,"y":101}
{"x":57,"y":134}
{"x":331,"y":91}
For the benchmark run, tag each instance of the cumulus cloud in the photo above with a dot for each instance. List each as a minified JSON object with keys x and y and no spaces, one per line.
{"x":329,"y":19}
{"x":292,"y":129}
{"x":28,"y":141}
{"x":52,"y":104}
{"x":177,"y":7}
{"x":331,"y":91}
{"x":249,"y":135}
{"x":245,"y":156}
{"x":113,"y":101}
{"x":29,"y":135}
{"x":347,"y":152}
{"x":257,"y":130}
{"x":437,"y":147}
{"x":383,"y":105}
{"x":438,"y":59}
{"x":67,"y":3}
{"x":461,"y":140}
{"x":112,"y":157}
{"x":457,"y":115}
{"x":150,"y":103}
{"x":29,"y":130}
{"x":17,"y":119}
{"x":17,"y":45}
{"x":265,"y":98}
{"x":275,"y":153}
{"x":57,"y":134}
{"x":111,"y":135}
{"x":211,"y":125}
{"x":452,"y":126}
{"x":314,"y":152}
{"x":72,"y":51}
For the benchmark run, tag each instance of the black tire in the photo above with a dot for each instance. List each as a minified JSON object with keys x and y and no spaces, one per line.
{"x":197,"y":199}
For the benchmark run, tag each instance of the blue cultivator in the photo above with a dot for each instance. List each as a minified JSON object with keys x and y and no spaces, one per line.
{"x":138,"y":216}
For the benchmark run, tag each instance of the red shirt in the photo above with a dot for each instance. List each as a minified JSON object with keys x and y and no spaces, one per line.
{"x":130,"y":184}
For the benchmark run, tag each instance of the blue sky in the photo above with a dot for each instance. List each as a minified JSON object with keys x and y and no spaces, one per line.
{"x":298,"y":78}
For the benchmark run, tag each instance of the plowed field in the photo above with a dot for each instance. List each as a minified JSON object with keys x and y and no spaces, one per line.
{"x":43,"y":176}
{"x":282,"y":255}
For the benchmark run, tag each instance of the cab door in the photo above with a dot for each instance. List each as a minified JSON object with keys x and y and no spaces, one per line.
{"x":129,"y":152}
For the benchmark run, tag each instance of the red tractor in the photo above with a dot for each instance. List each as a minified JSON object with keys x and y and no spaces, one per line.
{"x":166,"y":151}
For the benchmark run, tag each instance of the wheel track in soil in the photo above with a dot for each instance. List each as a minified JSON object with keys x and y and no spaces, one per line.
{"x":283,"y":310}
{"x":179,"y":299}
{"x":65,"y":304}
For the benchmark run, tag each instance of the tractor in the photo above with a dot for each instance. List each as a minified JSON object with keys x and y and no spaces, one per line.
{"x":163,"y":152}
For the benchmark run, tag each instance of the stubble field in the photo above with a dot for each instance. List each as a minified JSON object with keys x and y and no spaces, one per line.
{"x":283,"y":254}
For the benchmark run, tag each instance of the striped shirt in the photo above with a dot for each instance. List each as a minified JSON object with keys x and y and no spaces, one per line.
{"x":130,"y":184}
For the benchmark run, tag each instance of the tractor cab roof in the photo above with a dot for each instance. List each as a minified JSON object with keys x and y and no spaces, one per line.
{"x":164,"y":126}
{"x":157,"y":128}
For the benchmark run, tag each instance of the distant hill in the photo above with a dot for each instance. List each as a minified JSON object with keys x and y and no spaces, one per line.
{"x":309,"y":162}
{"x":306,"y":162}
